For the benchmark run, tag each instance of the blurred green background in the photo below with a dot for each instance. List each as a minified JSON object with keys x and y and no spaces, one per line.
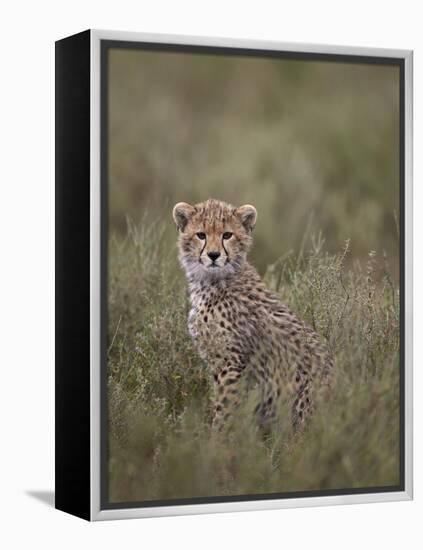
{"x":313,"y":145}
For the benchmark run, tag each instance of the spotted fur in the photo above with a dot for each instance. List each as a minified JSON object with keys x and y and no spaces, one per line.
{"x":246,"y":336}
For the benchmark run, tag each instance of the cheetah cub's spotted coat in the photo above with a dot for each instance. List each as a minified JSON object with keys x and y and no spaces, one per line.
{"x":246,"y":336}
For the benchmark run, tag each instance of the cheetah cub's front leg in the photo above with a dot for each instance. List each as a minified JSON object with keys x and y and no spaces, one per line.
{"x":227,"y":395}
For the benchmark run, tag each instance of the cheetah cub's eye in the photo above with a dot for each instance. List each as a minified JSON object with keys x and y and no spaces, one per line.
{"x":201,"y":236}
{"x":227,"y":235}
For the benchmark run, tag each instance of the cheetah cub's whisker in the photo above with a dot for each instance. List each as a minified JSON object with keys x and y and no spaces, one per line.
{"x":246,"y":336}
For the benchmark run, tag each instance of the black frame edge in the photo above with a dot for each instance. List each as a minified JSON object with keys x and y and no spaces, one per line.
{"x":72,"y":208}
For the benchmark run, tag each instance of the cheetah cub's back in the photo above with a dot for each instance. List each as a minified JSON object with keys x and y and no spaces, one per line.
{"x":243,"y":332}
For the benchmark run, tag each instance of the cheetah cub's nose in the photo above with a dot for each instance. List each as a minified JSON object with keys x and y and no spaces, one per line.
{"x":213,"y":255}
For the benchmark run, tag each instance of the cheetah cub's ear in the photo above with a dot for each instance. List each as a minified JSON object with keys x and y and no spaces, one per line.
{"x":248,"y":216}
{"x":181,"y":214}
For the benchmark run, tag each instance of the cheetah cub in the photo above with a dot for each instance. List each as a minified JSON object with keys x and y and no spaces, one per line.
{"x":246,"y":336}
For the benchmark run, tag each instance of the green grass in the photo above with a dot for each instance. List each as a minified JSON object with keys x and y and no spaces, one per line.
{"x":161,"y":442}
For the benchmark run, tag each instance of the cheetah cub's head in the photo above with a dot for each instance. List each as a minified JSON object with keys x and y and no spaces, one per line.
{"x":214,"y":238}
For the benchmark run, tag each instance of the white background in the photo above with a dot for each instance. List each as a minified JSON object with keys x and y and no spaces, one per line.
{"x":29,"y":30}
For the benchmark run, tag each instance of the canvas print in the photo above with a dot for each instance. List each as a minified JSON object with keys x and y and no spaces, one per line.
{"x":253,"y":272}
